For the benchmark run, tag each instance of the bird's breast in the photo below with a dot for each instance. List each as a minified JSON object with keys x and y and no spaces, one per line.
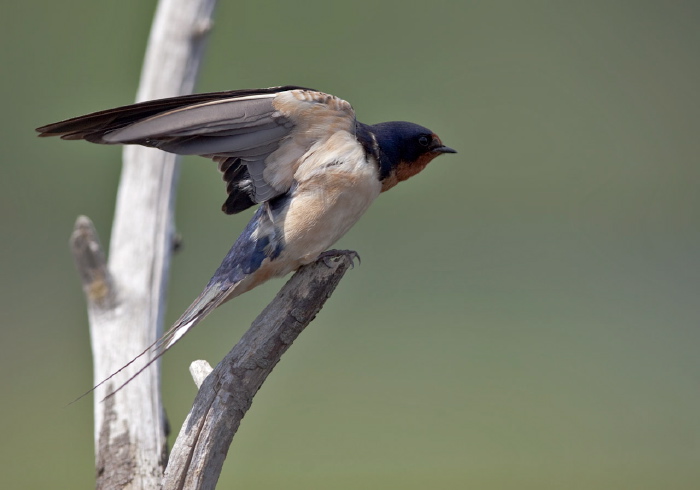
{"x":335,"y":184}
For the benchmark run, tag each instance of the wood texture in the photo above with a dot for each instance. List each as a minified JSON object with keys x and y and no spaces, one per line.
{"x":227,"y":393}
{"x":199,"y":371}
{"x":126,"y":295}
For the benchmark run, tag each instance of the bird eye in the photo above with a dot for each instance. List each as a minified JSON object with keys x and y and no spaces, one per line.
{"x":424,"y":140}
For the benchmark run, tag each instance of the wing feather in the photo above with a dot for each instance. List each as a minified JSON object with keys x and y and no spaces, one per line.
{"x":258,"y":137}
{"x":107,"y":120}
{"x":265,"y":141}
{"x":201,"y":119}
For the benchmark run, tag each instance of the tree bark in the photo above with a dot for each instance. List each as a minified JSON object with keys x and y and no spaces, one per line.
{"x":126,"y":295}
{"x":227,"y":393}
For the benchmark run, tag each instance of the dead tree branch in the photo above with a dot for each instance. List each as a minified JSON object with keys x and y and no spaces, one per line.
{"x":126,"y":295}
{"x":227,"y":393}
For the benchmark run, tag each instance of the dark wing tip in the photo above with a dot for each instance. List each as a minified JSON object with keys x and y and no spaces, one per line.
{"x":237,"y":202}
{"x":79,"y":127}
{"x":50,"y":130}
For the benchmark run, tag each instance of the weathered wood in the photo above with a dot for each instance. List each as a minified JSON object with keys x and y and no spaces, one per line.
{"x":126,"y":296}
{"x":227,"y":393}
{"x":199,"y":371}
{"x":91,"y":263}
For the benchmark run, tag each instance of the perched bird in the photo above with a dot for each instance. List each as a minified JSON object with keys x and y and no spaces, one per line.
{"x":299,"y":153}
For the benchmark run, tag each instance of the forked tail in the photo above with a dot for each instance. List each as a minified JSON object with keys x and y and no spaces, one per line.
{"x":212,"y":296}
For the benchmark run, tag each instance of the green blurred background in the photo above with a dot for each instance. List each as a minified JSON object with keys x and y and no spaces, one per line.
{"x":526,"y":313}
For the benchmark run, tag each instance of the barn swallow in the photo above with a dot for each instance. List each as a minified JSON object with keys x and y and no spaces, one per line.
{"x":299,"y":153}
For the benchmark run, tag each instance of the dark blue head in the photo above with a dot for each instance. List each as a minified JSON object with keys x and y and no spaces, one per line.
{"x":403,"y":149}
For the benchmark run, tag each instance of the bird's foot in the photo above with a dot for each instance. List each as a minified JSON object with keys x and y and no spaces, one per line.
{"x":329,"y":255}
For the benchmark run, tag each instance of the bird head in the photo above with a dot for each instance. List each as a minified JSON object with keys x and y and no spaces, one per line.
{"x":404,"y":150}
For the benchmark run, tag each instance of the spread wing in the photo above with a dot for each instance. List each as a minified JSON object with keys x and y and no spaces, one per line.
{"x":256,"y":136}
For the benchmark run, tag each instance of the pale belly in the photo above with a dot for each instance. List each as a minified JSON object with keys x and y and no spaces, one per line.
{"x":320,"y":213}
{"x":335,"y":185}
{"x":323,"y":210}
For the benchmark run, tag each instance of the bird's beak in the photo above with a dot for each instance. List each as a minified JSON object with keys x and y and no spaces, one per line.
{"x":444,"y":149}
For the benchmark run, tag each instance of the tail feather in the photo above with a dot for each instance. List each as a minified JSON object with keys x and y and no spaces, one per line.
{"x":212,"y":296}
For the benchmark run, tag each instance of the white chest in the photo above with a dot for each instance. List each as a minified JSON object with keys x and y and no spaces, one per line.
{"x":335,"y":185}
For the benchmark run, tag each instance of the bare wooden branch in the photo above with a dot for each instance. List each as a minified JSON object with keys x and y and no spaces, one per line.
{"x":199,"y":371}
{"x":90,"y":261}
{"x":227,"y":393}
{"x":126,"y":299}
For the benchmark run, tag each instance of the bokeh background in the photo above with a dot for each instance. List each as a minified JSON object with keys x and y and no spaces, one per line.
{"x":526,"y":314}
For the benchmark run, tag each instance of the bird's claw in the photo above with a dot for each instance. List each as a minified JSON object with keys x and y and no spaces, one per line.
{"x":329,"y":255}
